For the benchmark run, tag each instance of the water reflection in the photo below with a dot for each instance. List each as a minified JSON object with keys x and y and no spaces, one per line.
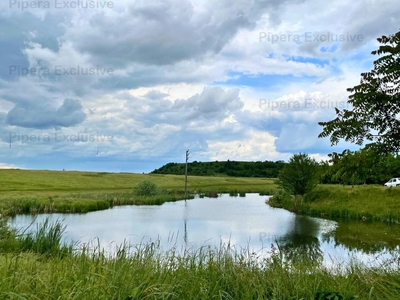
{"x":245,"y":222}
{"x":301,"y":241}
{"x":368,"y":238}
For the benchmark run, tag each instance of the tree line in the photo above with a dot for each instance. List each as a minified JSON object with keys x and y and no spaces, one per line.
{"x":365,"y":166}
{"x":268,"y":169}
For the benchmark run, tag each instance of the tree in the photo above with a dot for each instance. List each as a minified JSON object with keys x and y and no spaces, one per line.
{"x":299,"y":176}
{"x":376,"y":104}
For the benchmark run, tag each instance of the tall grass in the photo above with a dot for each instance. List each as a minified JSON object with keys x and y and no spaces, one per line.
{"x":44,"y":269}
{"x":46,"y":239}
{"x":146,"y":273}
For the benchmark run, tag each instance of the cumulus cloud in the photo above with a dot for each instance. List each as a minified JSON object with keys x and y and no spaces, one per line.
{"x":212,"y":103}
{"x":254,"y":147}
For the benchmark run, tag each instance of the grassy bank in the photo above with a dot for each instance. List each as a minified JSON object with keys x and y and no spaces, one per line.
{"x":82,"y":202}
{"x":39,"y":267}
{"x":24,"y":191}
{"x":364,"y":203}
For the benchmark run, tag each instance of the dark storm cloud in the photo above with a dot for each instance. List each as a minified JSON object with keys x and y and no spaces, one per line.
{"x":153,"y":34}
{"x":70,"y":113}
{"x":165,"y":32}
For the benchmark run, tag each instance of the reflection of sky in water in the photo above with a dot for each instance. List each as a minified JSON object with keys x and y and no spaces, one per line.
{"x":244,"y":222}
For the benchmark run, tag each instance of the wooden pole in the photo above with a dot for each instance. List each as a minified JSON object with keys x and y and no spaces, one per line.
{"x":187,"y":158}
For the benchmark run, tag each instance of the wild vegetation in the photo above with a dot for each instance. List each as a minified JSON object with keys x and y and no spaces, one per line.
{"x":44,"y":268}
{"x":298,"y":179}
{"x":365,"y":166}
{"x":267,"y":169}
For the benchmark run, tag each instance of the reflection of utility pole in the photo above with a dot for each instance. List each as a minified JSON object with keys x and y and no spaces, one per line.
{"x":187,"y":158}
{"x":185,"y":228}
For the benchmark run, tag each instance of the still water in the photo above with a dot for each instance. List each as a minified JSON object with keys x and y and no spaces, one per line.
{"x":243,"y":222}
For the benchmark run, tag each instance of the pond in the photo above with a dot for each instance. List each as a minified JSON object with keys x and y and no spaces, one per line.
{"x":244,"y":222}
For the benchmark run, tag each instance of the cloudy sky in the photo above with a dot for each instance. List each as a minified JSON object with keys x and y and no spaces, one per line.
{"x":129,"y":85}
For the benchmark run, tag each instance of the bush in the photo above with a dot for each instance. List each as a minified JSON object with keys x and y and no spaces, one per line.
{"x":279,"y":198}
{"x":146,"y":188}
{"x":300,"y":175}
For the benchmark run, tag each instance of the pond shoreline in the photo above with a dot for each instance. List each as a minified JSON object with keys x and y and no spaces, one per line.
{"x":364,"y":203}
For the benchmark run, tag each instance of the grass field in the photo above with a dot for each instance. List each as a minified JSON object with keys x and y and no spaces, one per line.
{"x":364,"y":203}
{"x":16,"y":181}
{"x":24,"y":191}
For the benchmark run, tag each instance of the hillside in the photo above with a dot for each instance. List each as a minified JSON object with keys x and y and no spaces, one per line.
{"x":268,"y":169}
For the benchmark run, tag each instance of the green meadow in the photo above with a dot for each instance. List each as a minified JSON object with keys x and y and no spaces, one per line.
{"x":25,"y":191}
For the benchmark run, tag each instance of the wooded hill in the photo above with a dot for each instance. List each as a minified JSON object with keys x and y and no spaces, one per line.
{"x":268,"y":169}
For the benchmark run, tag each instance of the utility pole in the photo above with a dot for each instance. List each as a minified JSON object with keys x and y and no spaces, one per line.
{"x":187,"y":158}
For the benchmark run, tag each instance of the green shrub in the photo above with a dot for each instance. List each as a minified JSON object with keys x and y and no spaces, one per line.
{"x":300,"y":175}
{"x":280,"y":198}
{"x":146,"y":188}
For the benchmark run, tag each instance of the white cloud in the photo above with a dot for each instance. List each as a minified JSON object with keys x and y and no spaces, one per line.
{"x":8,"y":166}
{"x":256,"y":146}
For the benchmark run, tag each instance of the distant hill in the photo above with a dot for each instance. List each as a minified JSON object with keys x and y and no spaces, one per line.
{"x":268,"y":169}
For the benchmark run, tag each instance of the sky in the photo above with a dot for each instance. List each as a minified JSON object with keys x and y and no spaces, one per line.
{"x":129,"y":85}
